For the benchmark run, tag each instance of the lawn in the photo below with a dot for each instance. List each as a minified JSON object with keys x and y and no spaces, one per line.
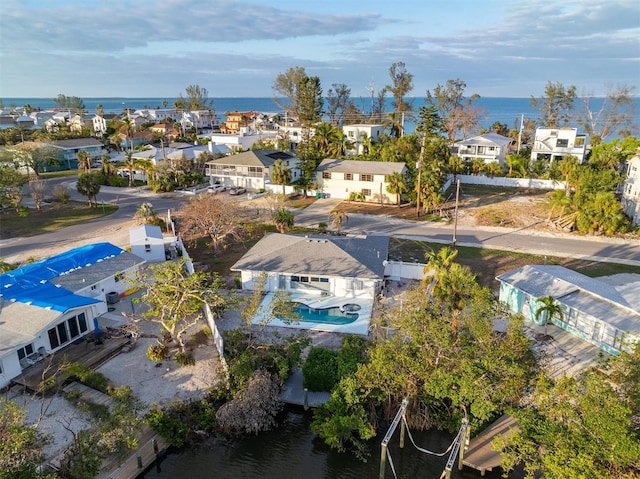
{"x":488,"y":263}
{"x":50,"y":218}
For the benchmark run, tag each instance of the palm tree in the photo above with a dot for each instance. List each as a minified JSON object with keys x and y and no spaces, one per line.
{"x":145,"y":214}
{"x":283,"y":219}
{"x":329,"y":140}
{"x":127,"y":128}
{"x":84,"y":161}
{"x":147,"y":165}
{"x":397,"y":185}
{"x":548,"y":308}
{"x":338,"y":217}
{"x":280,"y":174}
{"x":130,"y":164}
{"x":89,"y":186}
{"x":439,"y":262}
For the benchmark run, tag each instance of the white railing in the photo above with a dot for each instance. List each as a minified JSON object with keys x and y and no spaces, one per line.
{"x":510,"y":182}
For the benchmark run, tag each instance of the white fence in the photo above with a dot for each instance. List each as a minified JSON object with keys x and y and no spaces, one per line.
{"x":397,"y":270}
{"x":211,"y":321}
{"x":506,"y":182}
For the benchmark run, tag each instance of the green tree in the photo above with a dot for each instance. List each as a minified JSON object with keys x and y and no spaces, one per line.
{"x":397,"y":185}
{"x":196,"y":98}
{"x":88,"y":185}
{"x":285,"y":89}
{"x":401,"y":85}
{"x":145,"y":214}
{"x":328,"y":140}
{"x":438,"y":262}
{"x":338,"y":217}
{"x":21,"y":445}
{"x":283,"y":219}
{"x":72,"y":103}
{"x":175,"y":298}
{"x":580,"y":427}
{"x":281,"y":174}
{"x":30,"y":156}
{"x":548,"y":309}
{"x":11,"y":183}
{"x":556,"y":106}
{"x":309,"y":100}
{"x":130,"y":164}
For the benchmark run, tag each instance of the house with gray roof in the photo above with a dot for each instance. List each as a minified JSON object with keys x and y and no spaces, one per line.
{"x":369,"y":179}
{"x":601,"y":311}
{"x":69,"y":149}
{"x":46,"y":305}
{"x":341,"y":266}
{"x":251,"y":169}
{"x":331,"y":281}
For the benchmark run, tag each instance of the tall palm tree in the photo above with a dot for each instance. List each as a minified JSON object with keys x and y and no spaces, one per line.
{"x":280,"y":174}
{"x":129,"y":164}
{"x":397,"y":185}
{"x":338,"y":217}
{"x":548,"y":308}
{"x":283,"y":219}
{"x":127,"y":127}
{"x":147,"y":165}
{"x":329,"y":140}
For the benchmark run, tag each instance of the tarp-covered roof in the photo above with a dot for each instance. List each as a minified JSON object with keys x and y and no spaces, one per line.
{"x":32,"y":284}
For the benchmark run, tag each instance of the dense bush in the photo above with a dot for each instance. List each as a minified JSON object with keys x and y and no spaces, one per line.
{"x":157,"y":352}
{"x":169,"y":426}
{"x":320,"y":370}
{"x":352,"y":353}
{"x":87,"y":376}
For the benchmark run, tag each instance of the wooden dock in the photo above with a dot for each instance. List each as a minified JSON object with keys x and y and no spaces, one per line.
{"x":152,"y":445}
{"x":480,"y":454}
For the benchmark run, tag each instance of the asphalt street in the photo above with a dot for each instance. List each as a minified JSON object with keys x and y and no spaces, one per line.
{"x":115,"y":228}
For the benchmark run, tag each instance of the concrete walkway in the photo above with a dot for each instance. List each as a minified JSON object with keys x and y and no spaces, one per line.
{"x":293,"y":392}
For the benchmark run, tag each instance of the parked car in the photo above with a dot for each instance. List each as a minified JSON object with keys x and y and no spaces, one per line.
{"x":238,"y":190}
{"x":216,"y":189}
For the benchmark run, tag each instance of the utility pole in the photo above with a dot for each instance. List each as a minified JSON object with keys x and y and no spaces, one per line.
{"x":520,"y":132}
{"x":455,"y":215}
{"x":420,"y":160}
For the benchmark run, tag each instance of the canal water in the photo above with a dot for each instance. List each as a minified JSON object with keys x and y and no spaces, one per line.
{"x":293,"y":452}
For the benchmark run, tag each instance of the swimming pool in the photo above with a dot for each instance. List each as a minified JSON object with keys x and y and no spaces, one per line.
{"x":334,"y":315}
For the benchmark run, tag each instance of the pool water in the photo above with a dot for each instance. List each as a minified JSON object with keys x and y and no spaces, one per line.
{"x":332,"y":315}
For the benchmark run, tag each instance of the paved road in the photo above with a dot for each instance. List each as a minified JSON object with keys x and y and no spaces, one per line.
{"x":115,"y":228}
{"x":525,"y":240}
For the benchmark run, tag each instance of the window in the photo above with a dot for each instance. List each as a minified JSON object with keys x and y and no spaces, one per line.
{"x":94,"y":287}
{"x":366,"y":177}
{"x":67,"y":331}
{"x":25,"y":351}
{"x":562,"y":143}
{"x":118,"y":277}
{"x":348,"y":176}
{"x":304,"y":279}
{"x":357,"y":284}
{"x":326,"y":175}
{"x":579,"y":141}
{"x":351,"y":134}
{"x":147,"y":248}
{"x":295,"y":279}
{"x":366,"y":192}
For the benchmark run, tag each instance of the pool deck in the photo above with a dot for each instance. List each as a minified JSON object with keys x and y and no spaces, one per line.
{"x":359,"y":326}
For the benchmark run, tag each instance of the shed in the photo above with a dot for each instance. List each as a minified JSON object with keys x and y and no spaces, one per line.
{"x":147,"y":242}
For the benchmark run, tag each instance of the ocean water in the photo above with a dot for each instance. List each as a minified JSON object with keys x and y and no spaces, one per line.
{"x":504,"y":110}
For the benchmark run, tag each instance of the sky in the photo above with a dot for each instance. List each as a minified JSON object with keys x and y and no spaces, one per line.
{"x":237,"y":48}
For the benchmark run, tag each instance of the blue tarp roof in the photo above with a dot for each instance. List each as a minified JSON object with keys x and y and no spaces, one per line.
{"x":31,"y":284}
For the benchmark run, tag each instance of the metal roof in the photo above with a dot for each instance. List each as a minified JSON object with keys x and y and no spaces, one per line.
{"x":488,"y":139}
{"x":261,"y":157}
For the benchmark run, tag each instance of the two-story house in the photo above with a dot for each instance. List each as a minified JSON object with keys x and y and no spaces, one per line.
{"x":553,"y":144}
{"x":341,"y":178}
{"x":490,"y":148}
{"x":77,"y":123}
{"x":251,"y":169}
{"x":69,"y":149}
{"x":631,"y":190}
{"x":101,"y":123}
{"x":236,"y":120}
{"x":359,"y":137}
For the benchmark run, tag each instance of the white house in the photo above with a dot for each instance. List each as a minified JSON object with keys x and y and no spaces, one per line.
{"x":489,"y":147}
{"x":332,"y":280}
{"x":148,"y":243}
{"x":342,"y":178}
{"x":243,"y":140}
{"x":46,"y":305}
{"x":602,"y":311}
{"x":100,"y":122}
{"x":358,"y":135}
{"x":250,"y":169}
{"x":68,"y":150}
{"x":553,"y":144}
{"x":631,"y":190}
